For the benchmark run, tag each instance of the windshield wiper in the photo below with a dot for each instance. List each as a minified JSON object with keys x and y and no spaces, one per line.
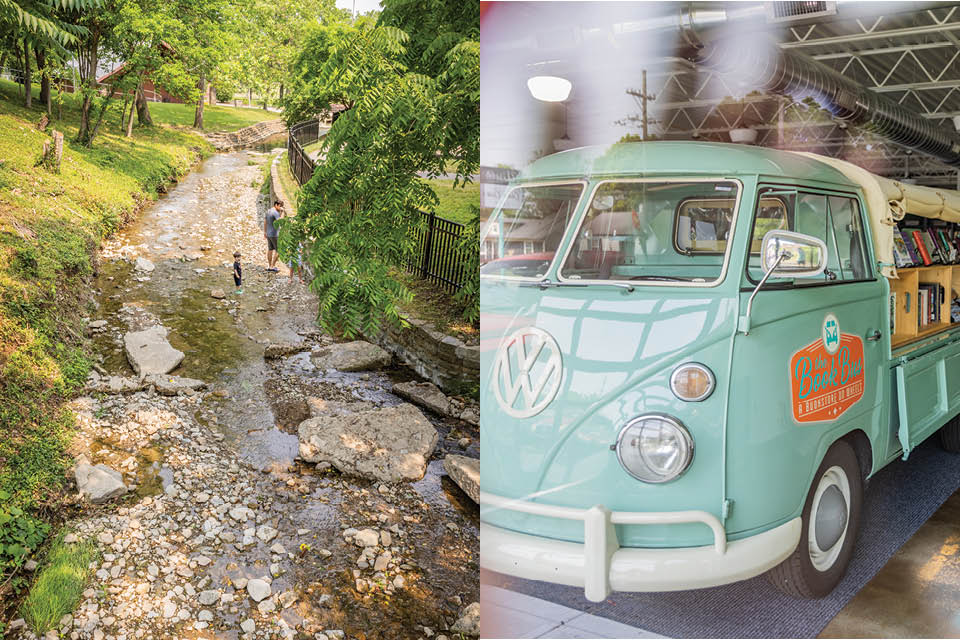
{"x":668,"y":278}
{"x":546,"y":284}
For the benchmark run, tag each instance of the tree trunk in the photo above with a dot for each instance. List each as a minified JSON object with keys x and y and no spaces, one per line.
{"x":123,"y":113}
{"x":143,"y":109}
{"x":133,"y":104}
{"x":87,"y":58}
{"x":198,"y":116}
{"x":27,"y":75}
{"x":103,"y":111}
{"x":44,"y":79}
{"x":249,"y":97}
{"x":281,"y":92}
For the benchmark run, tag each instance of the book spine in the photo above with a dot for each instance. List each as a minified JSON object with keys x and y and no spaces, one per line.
{"x":921,"y":248}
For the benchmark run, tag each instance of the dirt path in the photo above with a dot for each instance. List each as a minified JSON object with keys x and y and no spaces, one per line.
{"x":221,"y":507}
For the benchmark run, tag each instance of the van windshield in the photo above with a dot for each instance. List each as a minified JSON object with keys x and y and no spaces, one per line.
{"x":656,"y":231}
{"x":523,"y":237}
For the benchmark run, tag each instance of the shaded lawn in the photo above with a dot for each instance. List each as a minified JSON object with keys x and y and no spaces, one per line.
{"x":216,"y":119}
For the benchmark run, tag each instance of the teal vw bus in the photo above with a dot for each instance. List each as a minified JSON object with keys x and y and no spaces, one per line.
{"x":692,"y":357}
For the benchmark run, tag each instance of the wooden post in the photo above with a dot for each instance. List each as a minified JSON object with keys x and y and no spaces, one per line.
{"x":57,"y":149}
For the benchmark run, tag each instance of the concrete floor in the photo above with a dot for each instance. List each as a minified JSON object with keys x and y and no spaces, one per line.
{"x":917,"y":593}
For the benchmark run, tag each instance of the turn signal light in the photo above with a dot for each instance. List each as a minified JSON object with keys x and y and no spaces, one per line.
{"x":692,"y":382}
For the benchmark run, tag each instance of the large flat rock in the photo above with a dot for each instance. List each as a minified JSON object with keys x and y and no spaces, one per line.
{"x":391,"y":444}
{"x":98,"y":483}
{"x":174,"y":385}
{"x":351,"y":356}
{"x":425,"y":394}
{"x":149,"y":352}
{"x":466,"y":473}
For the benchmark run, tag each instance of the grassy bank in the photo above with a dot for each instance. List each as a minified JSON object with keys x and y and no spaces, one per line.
{"x":456,"y":202}
{"x":215,"y":118}
{"x":50,"y":225}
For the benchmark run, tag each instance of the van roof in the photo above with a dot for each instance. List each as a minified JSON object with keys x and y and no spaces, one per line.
{"x":681,"y":158}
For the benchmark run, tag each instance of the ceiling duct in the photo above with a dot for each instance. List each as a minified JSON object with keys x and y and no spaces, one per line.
{"x":760,"y":63}
{"x":793,"y":12}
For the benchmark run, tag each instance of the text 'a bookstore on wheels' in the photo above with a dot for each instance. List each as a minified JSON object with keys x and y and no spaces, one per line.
{"x":927,"y":255}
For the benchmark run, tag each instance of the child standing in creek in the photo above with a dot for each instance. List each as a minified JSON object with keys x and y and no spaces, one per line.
{"x":237,"y":274}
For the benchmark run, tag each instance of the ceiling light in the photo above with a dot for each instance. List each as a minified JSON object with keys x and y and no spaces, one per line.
{"x":549,"y":88}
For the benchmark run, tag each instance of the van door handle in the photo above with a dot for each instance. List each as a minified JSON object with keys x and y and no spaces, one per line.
{"x":874,"y":336}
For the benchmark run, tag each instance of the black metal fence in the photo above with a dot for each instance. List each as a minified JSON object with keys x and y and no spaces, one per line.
{"x":437,"y":257}
{"x":301,"y":135}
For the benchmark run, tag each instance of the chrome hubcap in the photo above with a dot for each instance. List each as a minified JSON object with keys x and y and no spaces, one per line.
{"x":830,"y":515}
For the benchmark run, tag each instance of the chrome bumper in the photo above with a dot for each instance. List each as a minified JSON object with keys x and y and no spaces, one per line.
{"x":600,"y":565}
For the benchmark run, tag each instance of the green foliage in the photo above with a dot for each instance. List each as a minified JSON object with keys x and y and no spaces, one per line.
{"x":225,"y":92}
{"x":469,"y":249}
{"x":37,"y":19}
{"x":311,"y":91}
{"x":412,"y":87}
{"x":60,"y":584}
{"x":20,"y":534}
{"x":271,"y":34}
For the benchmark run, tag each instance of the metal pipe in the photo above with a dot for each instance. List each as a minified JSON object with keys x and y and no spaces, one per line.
{"x":761,"y":63}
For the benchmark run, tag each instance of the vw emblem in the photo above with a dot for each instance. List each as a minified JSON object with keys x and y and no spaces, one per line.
{"x":527,"y":372}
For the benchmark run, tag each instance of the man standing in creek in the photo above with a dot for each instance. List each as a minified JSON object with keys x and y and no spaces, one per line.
{"x":270,"y":233}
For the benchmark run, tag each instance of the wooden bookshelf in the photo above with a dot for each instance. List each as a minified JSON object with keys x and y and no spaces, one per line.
{"x":907,"y":307}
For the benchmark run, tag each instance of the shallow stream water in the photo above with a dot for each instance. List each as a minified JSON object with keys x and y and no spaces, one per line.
{"x":190,"y":235}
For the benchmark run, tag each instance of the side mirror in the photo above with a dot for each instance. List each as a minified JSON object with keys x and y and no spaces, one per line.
{"x":790,"y":254}
{"x":786,"y":254}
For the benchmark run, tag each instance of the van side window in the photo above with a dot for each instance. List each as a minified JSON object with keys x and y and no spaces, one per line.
{"x":850,"y":241}
{"x":835,"y":220}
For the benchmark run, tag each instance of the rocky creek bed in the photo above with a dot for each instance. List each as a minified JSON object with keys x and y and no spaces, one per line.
{"x":225,"y":532}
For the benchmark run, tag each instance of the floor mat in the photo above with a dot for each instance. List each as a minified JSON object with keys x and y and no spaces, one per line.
{"x":897,"y":501}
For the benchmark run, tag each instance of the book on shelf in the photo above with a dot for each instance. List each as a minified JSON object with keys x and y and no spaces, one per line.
{"x":948,"y":246}
{"x":921,"y":248}
{"x":935,"y":245}
{"x":908,"y":242}
{"x":931,"y":247}
{"x":931,"y":295}
{"x":923,"y":307}
{"x":901,"y":257}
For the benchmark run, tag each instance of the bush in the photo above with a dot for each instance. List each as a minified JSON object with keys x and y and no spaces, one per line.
{"x":20,"y":534}
{"x":224,"y":94}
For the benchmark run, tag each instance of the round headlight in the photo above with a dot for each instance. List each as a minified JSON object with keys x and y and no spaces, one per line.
{"x":654,"y":448}
{"x":692,"y":382}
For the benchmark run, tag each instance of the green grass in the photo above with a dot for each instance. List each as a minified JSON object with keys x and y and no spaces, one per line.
{"x":290,"y":186}
{"x":60,"y":584}
{"x":313,"y":146}
{"x":50,"y":226}
{"x":455,"y":203}
{"x":215,"y":118}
